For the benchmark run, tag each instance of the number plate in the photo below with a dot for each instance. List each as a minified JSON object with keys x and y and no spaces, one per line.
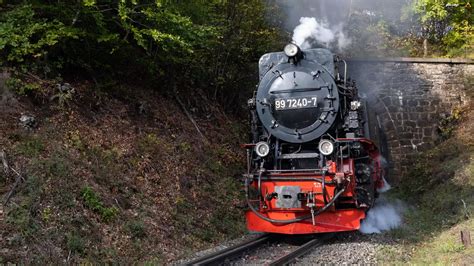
{"x":295,"y":103}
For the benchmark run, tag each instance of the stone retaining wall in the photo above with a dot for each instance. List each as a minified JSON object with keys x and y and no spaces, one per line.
{"x":410,"y":97}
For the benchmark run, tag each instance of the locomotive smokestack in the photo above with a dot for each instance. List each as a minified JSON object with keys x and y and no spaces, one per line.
{"x":293,"y":52}
{"x":292,"y":49}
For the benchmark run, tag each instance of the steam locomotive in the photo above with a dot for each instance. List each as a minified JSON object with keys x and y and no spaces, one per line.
{"x":313,"y":166}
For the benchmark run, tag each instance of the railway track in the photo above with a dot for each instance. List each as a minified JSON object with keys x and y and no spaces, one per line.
{"x":221,"y":256}
{"x":228,"y":255}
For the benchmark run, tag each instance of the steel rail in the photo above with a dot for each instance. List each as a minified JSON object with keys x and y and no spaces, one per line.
{"x":230,"y":252}
{"x":301,"y":251}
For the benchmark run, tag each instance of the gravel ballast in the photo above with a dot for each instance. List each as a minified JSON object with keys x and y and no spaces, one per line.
{"x":344,"y":248}
{"x":349,"y":248}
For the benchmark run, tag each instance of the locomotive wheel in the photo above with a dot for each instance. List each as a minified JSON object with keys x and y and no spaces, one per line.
{"x":365,"y":191}
{"x":372,"y":191}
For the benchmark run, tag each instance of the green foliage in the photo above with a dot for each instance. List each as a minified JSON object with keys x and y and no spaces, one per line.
{"x":105,"y":165}
{"x":75,"y":243}
{"x":57,"y":166}
{"x":379,"y":30}
{"x":136,"y":228}
{"x":23,"y":215}
{"x":64,"y":95}
{"x":21,"y":218}
{"x":376,"y":36}
{"x":199,"y":44}
{"x":21,"y":87}
{"x":26,"y":36}
{"x":46,"y":214}
{"x":448,"y":124}
{"x":31,"y":147}
{"x":151,"y":143}
{"x":92,"y":201}
{"x":448,"y":24}
{"x":184,"y":147}
{"x":73,"y":139}
{"x":382,"y":30}
{"x":452,"y":247}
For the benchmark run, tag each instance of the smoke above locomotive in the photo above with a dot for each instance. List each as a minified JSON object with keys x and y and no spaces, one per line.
{"x":310,"y":30}
{"x":313,"y":162}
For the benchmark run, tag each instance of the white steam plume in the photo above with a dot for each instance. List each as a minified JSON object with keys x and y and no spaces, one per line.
{"x":386,"y":187}
{"x":310,"y":30}
{"x":384,"y":216}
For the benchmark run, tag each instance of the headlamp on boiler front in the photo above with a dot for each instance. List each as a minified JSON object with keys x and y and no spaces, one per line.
{"x":326,"y":147}
{"x":262,"y":149}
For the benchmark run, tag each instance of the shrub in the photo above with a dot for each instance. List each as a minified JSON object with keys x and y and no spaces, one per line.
{"x":31,"y":147}
{"x":21,"y":218}
{"x":136,"y":228}
{"x":21,"y":87}
{"x":92,"y":201}
{"x":448,"y":124}
{"x":75,"y":243}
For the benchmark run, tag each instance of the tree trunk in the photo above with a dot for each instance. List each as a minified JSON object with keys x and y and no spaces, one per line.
{"x":425,"y":47}
{"x":466,"y":238}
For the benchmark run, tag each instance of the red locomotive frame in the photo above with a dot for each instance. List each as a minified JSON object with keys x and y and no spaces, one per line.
{"x":328,"y":190}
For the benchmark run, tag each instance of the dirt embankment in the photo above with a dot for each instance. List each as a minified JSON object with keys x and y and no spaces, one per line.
{"x":119,"y":175}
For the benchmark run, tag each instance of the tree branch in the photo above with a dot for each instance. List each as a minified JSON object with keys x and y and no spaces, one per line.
{"x":7,"y":170}
{"x":189,"y":116}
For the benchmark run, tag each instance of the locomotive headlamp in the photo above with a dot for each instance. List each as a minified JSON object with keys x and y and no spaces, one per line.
{"x":291,"y":50}
{"x":262,"y":149}
{"x":326,"y":147}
